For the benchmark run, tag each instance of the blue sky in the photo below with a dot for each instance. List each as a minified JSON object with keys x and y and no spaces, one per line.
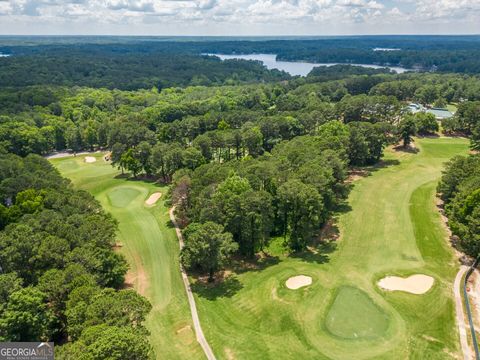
{"x":239,"y":17}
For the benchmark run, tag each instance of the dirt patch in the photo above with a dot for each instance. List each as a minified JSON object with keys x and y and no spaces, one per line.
{"x":90,"y":159}
{"x":411,"y":148}
{"x":138,"y":279}
{"x":330,"y":231}
{"x":185,"y":335}
{"x":299,"y":281}
{"x":431,"y":339}
{"x":356,"y":174}
{"x":473,"y":288}
{"x":117,"y":246}
{"x":416,"y":284}
{"x":229,"y":354}
{"x":153,"y":199}
{"x":220,"y":277}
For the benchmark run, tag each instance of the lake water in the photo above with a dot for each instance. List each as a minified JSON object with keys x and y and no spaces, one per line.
{"x":296,"y":68}
{"x":4,"y":55}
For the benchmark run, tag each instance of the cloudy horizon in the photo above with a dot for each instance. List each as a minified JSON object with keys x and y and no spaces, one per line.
{"x":238,"y":17}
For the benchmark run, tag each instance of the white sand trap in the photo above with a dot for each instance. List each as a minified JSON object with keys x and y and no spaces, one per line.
{"x":296,"y":282}
{"x":153,"y":198}
{"x":415,"y":284}
{"x":90,"y":159}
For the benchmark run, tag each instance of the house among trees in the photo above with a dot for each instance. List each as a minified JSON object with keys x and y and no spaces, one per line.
{"x":415,"y":108}
{"x":440,"y":113}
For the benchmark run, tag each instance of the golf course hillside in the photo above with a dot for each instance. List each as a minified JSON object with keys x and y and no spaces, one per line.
{"x":149,"y":243}
{"x":333,"y":306}
{"x":391,"y":227}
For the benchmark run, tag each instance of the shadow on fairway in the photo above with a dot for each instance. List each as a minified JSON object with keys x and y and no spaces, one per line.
{"x":242,"y":265}
{"x":226,"y":288}
{"x":408,"y":149}
{"x":318,"y":254}
{"x":122,"y":176}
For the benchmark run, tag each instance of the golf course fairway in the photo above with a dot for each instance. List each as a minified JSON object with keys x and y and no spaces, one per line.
{"x":391,"y":226}
{"x":150,"y":246}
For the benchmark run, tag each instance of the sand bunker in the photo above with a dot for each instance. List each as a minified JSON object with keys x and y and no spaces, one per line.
{"x":153,"y":198}
{"x":415,"y":284}
{"x":296,"y":282}
{"x":90,"y":159}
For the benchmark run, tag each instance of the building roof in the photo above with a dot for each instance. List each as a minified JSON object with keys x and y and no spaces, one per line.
{"x":440,"y":113}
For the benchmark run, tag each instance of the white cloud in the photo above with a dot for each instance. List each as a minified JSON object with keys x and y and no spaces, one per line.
{"x":131,"y":5}
{"x":223,"y":17}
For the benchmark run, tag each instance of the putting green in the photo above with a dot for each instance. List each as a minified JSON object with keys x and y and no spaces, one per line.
{"x":121,"y":197}
{"x":354,"y":315}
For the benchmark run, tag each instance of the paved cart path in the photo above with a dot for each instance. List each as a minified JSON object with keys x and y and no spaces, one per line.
{"x":191,"y":300}
{"x":462,"y":328}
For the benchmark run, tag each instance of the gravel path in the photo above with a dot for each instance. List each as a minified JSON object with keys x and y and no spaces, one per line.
{"x":191,"y":300}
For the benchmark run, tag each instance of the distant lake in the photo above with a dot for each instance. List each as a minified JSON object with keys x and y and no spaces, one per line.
{"x":298,"y":67}
{"x":4,"y":55}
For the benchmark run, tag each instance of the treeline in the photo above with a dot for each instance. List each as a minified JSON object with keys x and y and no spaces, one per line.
{"x":221,"y":122}
{"x":60,"y":279}
{"x":132,"y":63}
{"x":289,"y":192}
{"x":72,"y":67}
{"x":460,"y":191}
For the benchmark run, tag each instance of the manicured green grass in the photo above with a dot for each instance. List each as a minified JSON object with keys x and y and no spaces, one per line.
{"x":151,"y":248}
{"x":393,"y":228}
{"x":353,"y":315}
{"x":452,"y":107}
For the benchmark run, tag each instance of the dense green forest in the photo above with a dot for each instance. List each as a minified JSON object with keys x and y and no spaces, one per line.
{"x":460,"y":191}
{"x":250,"y":154}
{"x":59,"y":275}
{"x":219,"y":123}
{"x":261,"y":160}
{"x":133,"y":63}
{"x":72,"y":67}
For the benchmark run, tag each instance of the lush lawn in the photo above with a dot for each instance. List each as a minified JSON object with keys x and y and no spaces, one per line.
{"x":452,"y":108}
{"x":151,"y":248}
{"x":393,"y":227}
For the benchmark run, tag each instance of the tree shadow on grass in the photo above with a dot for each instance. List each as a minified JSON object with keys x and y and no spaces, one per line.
{"x":358,"y":172}
{"x":319,"y":254}
{"x":343,"y":208}
{"x":260,"y":262}
{"x":406,"y":149}
{"x":225,"y":288}
{"x":365,"y":171}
